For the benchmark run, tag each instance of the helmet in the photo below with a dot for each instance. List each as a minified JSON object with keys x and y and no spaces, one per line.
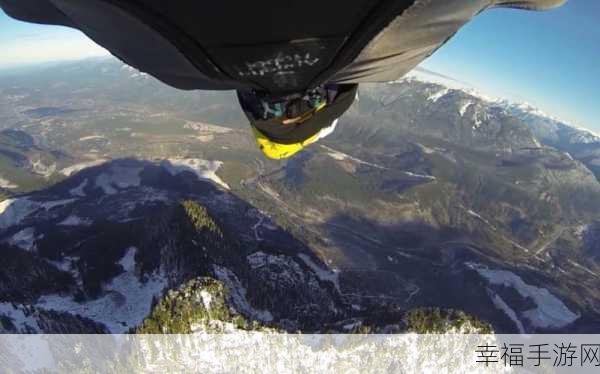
{"x":284,"y":125}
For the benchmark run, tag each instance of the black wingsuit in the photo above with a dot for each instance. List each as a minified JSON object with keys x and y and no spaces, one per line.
{"x":281,"y":48}
{"x":275,"y":46}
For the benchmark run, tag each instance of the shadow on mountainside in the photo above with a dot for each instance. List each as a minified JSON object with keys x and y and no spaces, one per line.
{"x":414,"y":264}
{"x":79,"y":233}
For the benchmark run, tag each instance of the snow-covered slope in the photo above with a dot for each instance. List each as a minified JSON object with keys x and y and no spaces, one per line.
{"x":126,"y":301}
{"x":203,"y":169}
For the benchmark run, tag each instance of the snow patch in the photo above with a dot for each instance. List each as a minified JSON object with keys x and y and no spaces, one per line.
{"x":78,"y":191}
{"x":21,"y":319}
{"x":5,"y":183}
{"x":92,"y":137}
{"x":550,"y":311}
{"x":438,"y":95}
{"x":68,"y":264}
{"x":425,"y":149}
{"x":478,"y":119}
{"x":13,"y":211}
{"x":151,"y":195}
{"x":237,"y":293}
{"x":203,"y":169}
{"x":140,"y":75}
{"x":581,"y":230}
{"x":206,"y":299}
{"x":477,"y":215}
{"x":256,"y":226}
{"x":340,"y":156}
{"x":125,"y":303}
{"x":47,"y":205}
{"x":118,"y":177}
{"x":24,"y":239}
{"x":464,"y":107}
{"x":322,"y":274}
{"x":578,"y":265}
{"x":127,"y":262}
{"x":206,"y":128}
{"x":352,"y":325}
{"x":73,"y":220}
{"x":80,"y":166}
{"x":430,"y":177}
{"x":42,"y":169}
{"x":503,"y":306}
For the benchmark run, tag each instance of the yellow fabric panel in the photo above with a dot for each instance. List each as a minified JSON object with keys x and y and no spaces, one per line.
{"x":279,"y":151}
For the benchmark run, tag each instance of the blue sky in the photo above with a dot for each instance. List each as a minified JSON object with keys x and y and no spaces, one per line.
{"x":24,"y":43}
{"x":549,"y":59}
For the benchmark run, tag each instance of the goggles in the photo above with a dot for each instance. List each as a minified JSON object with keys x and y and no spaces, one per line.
{"x":290,"y":109}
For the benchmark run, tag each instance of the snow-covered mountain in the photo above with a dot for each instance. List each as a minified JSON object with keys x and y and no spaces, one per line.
{"x":530,"y":114}
{"x":97,"y":252}
{"x":582,"y":144}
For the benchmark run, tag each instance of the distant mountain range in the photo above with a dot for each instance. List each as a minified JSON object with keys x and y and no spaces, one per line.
{"x":582,"y":144}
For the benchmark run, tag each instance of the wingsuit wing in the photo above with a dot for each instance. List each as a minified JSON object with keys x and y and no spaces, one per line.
{"x":416,"y":34}
{"x":272,"y":45}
